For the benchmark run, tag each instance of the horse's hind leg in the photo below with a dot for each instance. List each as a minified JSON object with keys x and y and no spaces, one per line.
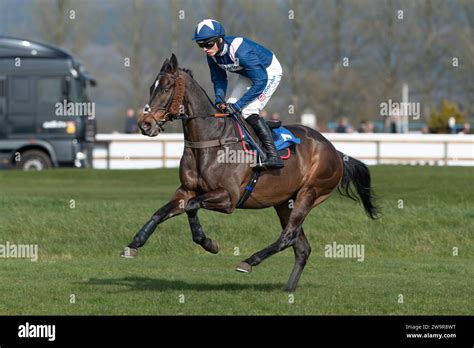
{"x":302,"y":249}
{"x":303,"y":204}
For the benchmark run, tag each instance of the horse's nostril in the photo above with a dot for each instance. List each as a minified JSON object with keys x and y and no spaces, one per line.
{"x":146,"y":126}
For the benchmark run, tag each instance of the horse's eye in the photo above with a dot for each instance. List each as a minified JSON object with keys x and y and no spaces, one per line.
{"x":167,"y":90}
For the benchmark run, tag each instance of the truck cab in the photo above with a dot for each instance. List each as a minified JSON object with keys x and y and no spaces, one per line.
{"x":45,"y":118}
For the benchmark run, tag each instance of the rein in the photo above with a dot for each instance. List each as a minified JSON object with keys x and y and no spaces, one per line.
{"x":172,"y":112}
{"x":209,"y":143}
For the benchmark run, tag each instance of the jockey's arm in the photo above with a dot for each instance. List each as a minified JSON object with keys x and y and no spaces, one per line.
{"x":219,"y":79}
{"x":257,"y":73}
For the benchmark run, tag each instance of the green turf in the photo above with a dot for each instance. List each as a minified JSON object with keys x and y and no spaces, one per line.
{"x":408,"y":252}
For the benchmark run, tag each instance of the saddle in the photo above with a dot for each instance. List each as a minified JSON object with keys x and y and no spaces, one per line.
{"x":273,"y":124}
{"x":284,"y":140}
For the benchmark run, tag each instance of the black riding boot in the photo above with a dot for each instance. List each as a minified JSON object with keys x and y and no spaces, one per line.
{"x":265,"y":135}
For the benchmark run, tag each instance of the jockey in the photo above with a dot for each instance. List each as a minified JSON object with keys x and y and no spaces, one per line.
{"x":259,"y":75}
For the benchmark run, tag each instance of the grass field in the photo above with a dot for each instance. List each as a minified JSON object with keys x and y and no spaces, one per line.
{"x":408,"y":252}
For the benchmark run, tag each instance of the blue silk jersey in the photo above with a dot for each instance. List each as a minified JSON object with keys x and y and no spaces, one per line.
{"x":242,"y":56}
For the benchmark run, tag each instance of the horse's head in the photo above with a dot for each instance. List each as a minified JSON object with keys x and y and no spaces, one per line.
{"x":166,"y":97}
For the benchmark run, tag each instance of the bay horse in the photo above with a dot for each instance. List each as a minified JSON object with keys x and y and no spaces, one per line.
{"x":309,"y":177}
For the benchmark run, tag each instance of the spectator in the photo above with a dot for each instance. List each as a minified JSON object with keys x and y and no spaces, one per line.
{"x":369,"y":128}
{"x":362,"y":127}
{"x":275,"y":116}
{"x":466,"y":128}
{"x":392,"y":123}
{"x":343,"y":127}
{"x":131,"y":122}
{"x":264,"y":114}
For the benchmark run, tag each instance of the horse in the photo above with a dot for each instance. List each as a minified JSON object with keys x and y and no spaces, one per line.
{"x":309,"y":177}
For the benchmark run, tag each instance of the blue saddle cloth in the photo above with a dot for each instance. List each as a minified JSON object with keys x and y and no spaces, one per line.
{"x":282,"y":138}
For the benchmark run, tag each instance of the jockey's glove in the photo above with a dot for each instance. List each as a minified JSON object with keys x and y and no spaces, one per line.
{"x":219,"y":101}
{"x":233,"y":108}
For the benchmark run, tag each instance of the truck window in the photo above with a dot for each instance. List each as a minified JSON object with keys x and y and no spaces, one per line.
{"x":2,"y":97}
{"x":49,"y":90}
{"x":21,"y":105}
{"x":49,"y":93}
{"x":3,"y":124}
{"x":2,"y":86}
{"x":21,"y":90}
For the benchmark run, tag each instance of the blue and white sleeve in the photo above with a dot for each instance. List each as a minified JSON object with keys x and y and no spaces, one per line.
{"x":219,"y":79}
{"x":257,"y":72}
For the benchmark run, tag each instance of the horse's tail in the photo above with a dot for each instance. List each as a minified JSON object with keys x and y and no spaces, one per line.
{"x":357,"y":172}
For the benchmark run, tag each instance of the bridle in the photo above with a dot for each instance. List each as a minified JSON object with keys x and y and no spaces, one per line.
{"x":171,"y":112}
{"x":171,"y":109}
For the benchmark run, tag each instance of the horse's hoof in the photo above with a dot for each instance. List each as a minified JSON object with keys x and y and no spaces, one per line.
{"x":243,"y":267}
{"x":129,"y":253}
{"x":212,"y":246}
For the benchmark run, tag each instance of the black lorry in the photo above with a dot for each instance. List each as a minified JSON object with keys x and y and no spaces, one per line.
{"x":45,"y":114}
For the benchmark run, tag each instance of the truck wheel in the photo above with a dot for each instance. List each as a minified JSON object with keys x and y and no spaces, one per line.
{"x":34,"y":160}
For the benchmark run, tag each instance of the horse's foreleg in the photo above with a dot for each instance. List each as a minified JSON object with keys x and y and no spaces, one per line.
{"x":198,"y":234}
{"x":218,"y":200}
{"x":174,"y":207}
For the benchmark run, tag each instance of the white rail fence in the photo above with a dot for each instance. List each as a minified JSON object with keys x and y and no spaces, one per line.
{"x":133,"y":151}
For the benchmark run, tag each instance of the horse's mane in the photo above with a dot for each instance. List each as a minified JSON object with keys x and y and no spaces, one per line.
{"x":191,"y":75}
{"x":189,"y":72}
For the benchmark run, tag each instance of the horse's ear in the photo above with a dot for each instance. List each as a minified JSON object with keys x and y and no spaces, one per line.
{"x":173,"y":63}
{"x":165,"y":64}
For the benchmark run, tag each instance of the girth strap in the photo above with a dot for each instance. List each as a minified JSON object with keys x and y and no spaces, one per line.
{"x":250,"y":186}
{"x":211,"y":143}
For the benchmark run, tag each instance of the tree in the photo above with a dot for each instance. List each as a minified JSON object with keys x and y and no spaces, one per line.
{"x":135,"y":41}
{"x":66,"y":23}
{"x":439,"y":120}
